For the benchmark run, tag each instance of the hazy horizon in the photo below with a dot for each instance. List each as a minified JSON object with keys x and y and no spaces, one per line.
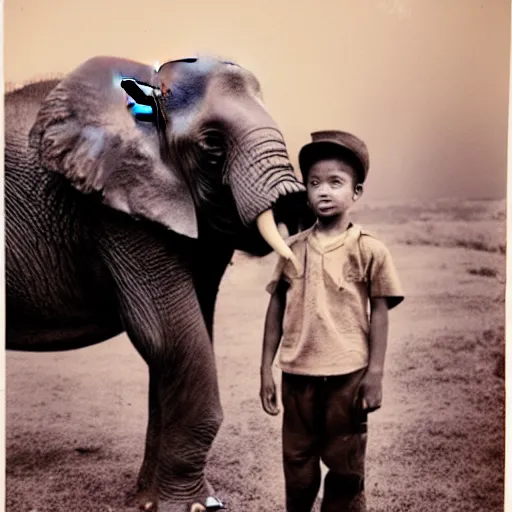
{"x":425,"y":85}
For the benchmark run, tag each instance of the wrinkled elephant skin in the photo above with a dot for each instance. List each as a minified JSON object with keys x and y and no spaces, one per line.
{"x":127,"y":190}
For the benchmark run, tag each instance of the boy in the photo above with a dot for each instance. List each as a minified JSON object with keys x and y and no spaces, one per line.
{"x":332,"y":316}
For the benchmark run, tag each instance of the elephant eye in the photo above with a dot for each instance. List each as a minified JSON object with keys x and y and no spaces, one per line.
{"x":213,"y":147}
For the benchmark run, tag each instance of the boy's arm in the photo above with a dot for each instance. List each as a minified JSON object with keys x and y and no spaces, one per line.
{"x":371,"y":385}
{"x":386,"y":293}
{"x":271,"y":338}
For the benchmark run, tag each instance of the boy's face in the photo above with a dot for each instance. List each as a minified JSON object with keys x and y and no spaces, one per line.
{"x":331,"y":187}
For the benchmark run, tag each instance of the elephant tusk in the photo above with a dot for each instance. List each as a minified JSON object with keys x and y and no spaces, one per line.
{"x":268,"y":230}
{"x":197,"y":507}
{"x":283,"y":230}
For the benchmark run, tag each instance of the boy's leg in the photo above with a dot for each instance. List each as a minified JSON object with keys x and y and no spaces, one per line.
{"x":344,"y":447}
{"x":301,"y":458}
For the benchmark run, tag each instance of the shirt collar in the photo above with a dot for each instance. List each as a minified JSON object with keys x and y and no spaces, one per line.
{"x":352,"y":233}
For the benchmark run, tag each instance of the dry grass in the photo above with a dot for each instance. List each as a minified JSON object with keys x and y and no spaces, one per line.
{"x":450,"y":234}
{"x":483,"y":271}
{"x":75,"y":428}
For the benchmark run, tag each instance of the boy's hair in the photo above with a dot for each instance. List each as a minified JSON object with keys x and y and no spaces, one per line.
{"x":335,"y":144}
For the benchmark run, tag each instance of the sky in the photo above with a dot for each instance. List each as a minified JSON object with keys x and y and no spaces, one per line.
{"x":424,"y":83}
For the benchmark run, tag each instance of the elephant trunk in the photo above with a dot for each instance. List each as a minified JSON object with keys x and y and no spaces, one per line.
{"x":260,"y":174}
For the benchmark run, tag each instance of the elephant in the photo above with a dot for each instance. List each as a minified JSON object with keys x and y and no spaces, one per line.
{"x":128,"y":188}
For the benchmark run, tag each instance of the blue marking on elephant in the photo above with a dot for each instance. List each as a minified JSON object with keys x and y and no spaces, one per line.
{"x":138,"y":110}
{"x":187,"y":92}
{"x":141,"y":109}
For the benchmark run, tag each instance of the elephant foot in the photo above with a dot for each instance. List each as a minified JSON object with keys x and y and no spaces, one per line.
{"x":207,"y":502}
{"x":146,"y":500}
{"x":148,"y":506}
{"x":211,"y":504}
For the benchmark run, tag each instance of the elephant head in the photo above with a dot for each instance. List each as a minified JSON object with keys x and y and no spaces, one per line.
{"x":190,"y":146}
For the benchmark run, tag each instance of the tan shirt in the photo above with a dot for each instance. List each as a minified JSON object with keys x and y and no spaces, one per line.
{"x":326,"y":322}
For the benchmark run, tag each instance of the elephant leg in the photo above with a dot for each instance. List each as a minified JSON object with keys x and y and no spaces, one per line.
{"x":145,"y":490}
{"x":207,"y":293}
{"x":163,"y":319}
{"x":186,"y":415}
{"x":182,"y":458}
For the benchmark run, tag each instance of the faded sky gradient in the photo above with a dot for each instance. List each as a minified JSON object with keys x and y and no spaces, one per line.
{"x":424,"y":82}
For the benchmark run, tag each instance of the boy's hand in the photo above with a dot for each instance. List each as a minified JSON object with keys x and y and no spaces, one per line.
{"x":268,"y":394}
{"x":370,"y":391}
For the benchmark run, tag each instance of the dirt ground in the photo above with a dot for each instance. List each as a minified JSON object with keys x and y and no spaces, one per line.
{"x":76,"y":421}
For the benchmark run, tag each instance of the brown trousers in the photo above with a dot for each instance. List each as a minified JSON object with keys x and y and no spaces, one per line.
{"x":322,"y":421}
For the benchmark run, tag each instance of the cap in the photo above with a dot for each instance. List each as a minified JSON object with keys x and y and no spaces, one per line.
{"x":335,"y":141}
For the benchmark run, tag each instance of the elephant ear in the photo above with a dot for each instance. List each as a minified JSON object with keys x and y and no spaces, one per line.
{"x":102,"y":140}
